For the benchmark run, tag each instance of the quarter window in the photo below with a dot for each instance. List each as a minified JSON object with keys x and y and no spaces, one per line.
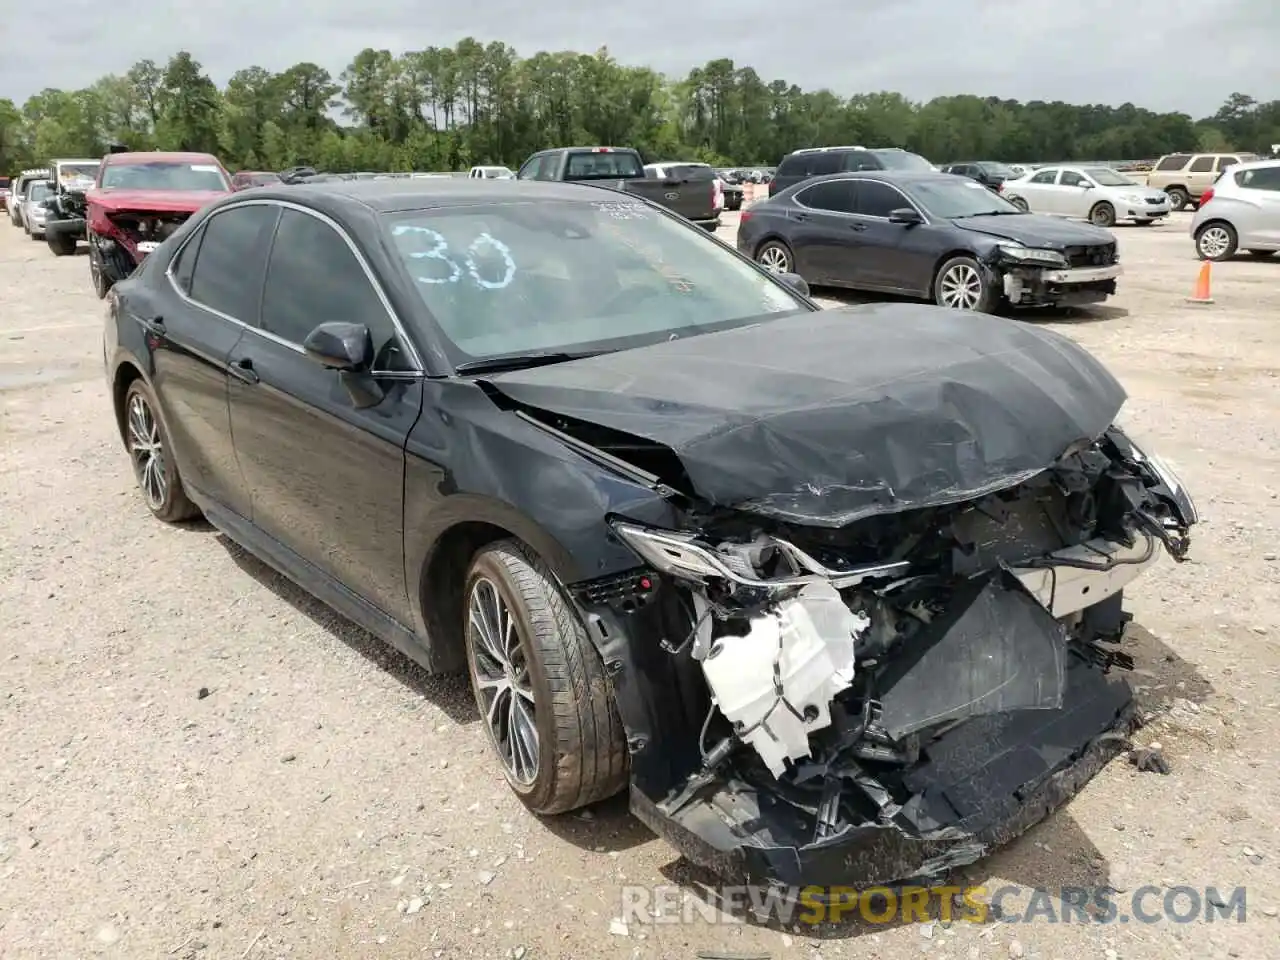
{"x":229,"y":246}
{"x":1201,"y":165}
{"x":834,"y":195}
{"x":876,"y":199}
{"x":1045,"y":176}
{"x":1224,"y":162}
{"x":1174,"y":161}
{"x":185,"y":263}
{"x":824,"y":163}
{"x":314,"y":278}
{"x":796,"y":166}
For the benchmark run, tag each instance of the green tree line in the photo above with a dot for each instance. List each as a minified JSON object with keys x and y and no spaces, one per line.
{"x":451,"y":107}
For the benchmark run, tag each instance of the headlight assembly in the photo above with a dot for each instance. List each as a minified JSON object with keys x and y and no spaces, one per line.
{"x":1168,"y":476}
{"x":1047,"y":258}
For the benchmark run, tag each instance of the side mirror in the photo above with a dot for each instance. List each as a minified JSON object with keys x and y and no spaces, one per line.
{"x":907,"y":216}
{"x":1085,"y":185}
{"x":340,"y":346}
{"x":795,"y":282}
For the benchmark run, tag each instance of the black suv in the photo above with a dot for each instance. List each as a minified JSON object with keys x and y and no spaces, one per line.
{"x":817,"y":161}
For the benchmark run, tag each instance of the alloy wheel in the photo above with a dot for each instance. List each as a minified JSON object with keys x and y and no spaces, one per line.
{"x":503,"y":685}
{"x":774,"y":259}
{"x":961,"y":287}
{"x":1214,"y":242}
{"x":147,"y":453}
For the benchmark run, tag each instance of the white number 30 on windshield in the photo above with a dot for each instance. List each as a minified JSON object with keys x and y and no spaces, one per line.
{"x":437,"y":248}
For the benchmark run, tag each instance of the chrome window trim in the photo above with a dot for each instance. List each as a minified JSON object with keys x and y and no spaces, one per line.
{"x":419,"y":368}
{"x":865,"y":216}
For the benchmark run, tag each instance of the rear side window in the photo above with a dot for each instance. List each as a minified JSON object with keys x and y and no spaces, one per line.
{"x":689,"y":171}
{"x":1262,"y":178}
{"x":824,"y":163}
{"x":1045,"y":176}
{"x":834,"y":195}
{"x":1201,"y":165}
{"x":1174,"y":162}
{"x":861,"y":160}
{"x":184,"y":264}
{"x":794,"y":166}
{"x":1224,"y":162}
{"x":232,"y":239}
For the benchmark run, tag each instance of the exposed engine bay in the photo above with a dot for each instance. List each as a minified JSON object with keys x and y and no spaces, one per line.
{"x":123,"y":238}
{"x":892,"y":698}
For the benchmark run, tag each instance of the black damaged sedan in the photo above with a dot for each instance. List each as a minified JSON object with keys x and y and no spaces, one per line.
{"x":934,"y":236}
{"x":836,"y":594}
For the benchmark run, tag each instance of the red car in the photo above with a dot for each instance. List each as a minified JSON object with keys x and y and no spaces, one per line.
{"x":139,"y":200}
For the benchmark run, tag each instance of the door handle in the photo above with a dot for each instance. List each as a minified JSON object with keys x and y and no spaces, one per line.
{"x":242,"y":369}
{"x":802,"y":216}
{"x":858,"y":226}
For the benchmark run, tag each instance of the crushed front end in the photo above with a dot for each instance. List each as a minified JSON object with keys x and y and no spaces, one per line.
{"x":1072,"y":276}
{"x":122,"y":238}
{"x":891,"y":698}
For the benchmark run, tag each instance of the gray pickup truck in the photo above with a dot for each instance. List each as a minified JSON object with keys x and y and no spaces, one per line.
{"x":692,"y":195}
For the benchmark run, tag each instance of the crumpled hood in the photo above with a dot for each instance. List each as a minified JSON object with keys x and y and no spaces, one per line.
{"x":154,"y":201}
{"x":1033,"y":230}
{"x":828,"y":417}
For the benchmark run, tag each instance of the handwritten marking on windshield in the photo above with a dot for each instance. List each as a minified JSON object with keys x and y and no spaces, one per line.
{"x":623,"y":209}
{"x":439,"y":251}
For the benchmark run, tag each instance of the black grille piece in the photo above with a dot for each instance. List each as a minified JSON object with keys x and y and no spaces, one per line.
{"x":1098,"y":255}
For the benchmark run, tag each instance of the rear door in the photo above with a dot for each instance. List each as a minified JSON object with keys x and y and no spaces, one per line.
{"x":1041,"y":191}
{"x":824,"y":238}
{"x":1200,"y":173}
{"x":326,"y":476}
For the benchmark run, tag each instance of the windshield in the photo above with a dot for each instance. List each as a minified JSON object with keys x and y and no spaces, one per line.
{"x":901,"y":160}
{"x":38,"y":190}
{"x":576,"y":277}
{"x":1106,"y":177}
{"x":73,"y":173}
{"x":955,"y":197}
{"x":497,"y":173}
{"x":163,"y":175}
{"x":603,"y":166}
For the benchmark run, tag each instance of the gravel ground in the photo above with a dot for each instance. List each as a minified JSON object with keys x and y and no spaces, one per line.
{"x":198,"y":760}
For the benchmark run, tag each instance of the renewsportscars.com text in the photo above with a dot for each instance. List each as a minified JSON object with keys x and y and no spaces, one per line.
{"x":950,"y":904}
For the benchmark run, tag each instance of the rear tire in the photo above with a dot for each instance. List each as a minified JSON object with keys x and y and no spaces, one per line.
{"x":963,"y":284}
{"x":102,"y":283}
{"x":775,"y":256}
{"x":151,"y":454}
{"x":533,"y":667}
{"x":1103,"y":215}
{"x":1178,"y":198}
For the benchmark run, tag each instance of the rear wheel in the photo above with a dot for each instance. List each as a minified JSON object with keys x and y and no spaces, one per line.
{"x":1178,"y":198}
{"x":101,"y":282}
{"x":962,"y":284}
{"x":775,"y":257}
{"x":1103,"y":215}
{"x":541,"y":688}
{"x":1216,"y":241}
{"x":152,"y":455}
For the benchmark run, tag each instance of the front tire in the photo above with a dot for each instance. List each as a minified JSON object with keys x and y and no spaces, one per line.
{"x":539,"y":684}
{"x":102,"y":284}
{"x":62,"y":244}
{"x":1103,"y":215}
{"x":1217,"y":241}
{"x":962,"y":284}
{"x":775,"y":256}
{"x":151,"y":453}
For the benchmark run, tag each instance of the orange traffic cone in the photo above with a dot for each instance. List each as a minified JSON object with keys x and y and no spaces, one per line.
{"x":1201,"y":293}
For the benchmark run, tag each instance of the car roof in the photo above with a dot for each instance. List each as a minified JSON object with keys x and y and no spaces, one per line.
{"x":152,"y":156}
{"x":390,"y":196}
{"x":889,"y":176}
{"x":1254,"y":164}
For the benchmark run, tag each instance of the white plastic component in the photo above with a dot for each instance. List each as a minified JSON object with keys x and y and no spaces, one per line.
{"x":810,"y":638}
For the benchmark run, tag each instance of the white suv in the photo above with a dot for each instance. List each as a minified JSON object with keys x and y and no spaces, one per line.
{"x":1240,"y":211}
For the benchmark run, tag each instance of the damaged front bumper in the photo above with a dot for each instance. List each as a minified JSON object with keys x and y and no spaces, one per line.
{"x":863,"y":709}
{"x":1038,"y":286}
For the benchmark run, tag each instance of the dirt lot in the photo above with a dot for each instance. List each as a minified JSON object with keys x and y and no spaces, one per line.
{"x":326,"y":799}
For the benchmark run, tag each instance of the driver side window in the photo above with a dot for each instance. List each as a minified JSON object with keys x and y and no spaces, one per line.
{"x":1045,"y":176}
{"x":313,"y":277}
{"x":1072,"y":179}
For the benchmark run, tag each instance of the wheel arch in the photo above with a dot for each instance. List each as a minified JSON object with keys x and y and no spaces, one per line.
{"x":772,"y":237}
{"x":126,"y":373}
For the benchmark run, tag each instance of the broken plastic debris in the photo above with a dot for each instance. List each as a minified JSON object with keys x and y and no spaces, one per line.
{"x":775,"y":684}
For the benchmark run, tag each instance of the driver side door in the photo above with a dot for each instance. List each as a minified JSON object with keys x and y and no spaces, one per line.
{"x":326,"y":475}
{"x":1076,"y":194}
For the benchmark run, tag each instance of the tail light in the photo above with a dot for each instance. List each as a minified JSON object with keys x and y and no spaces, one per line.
{"x":1206,"y":196}
{"x":744,"y":216}
{"x":717,"y":194}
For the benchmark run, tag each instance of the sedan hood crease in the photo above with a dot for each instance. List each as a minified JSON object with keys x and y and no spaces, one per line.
{"x":829,"y":417}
